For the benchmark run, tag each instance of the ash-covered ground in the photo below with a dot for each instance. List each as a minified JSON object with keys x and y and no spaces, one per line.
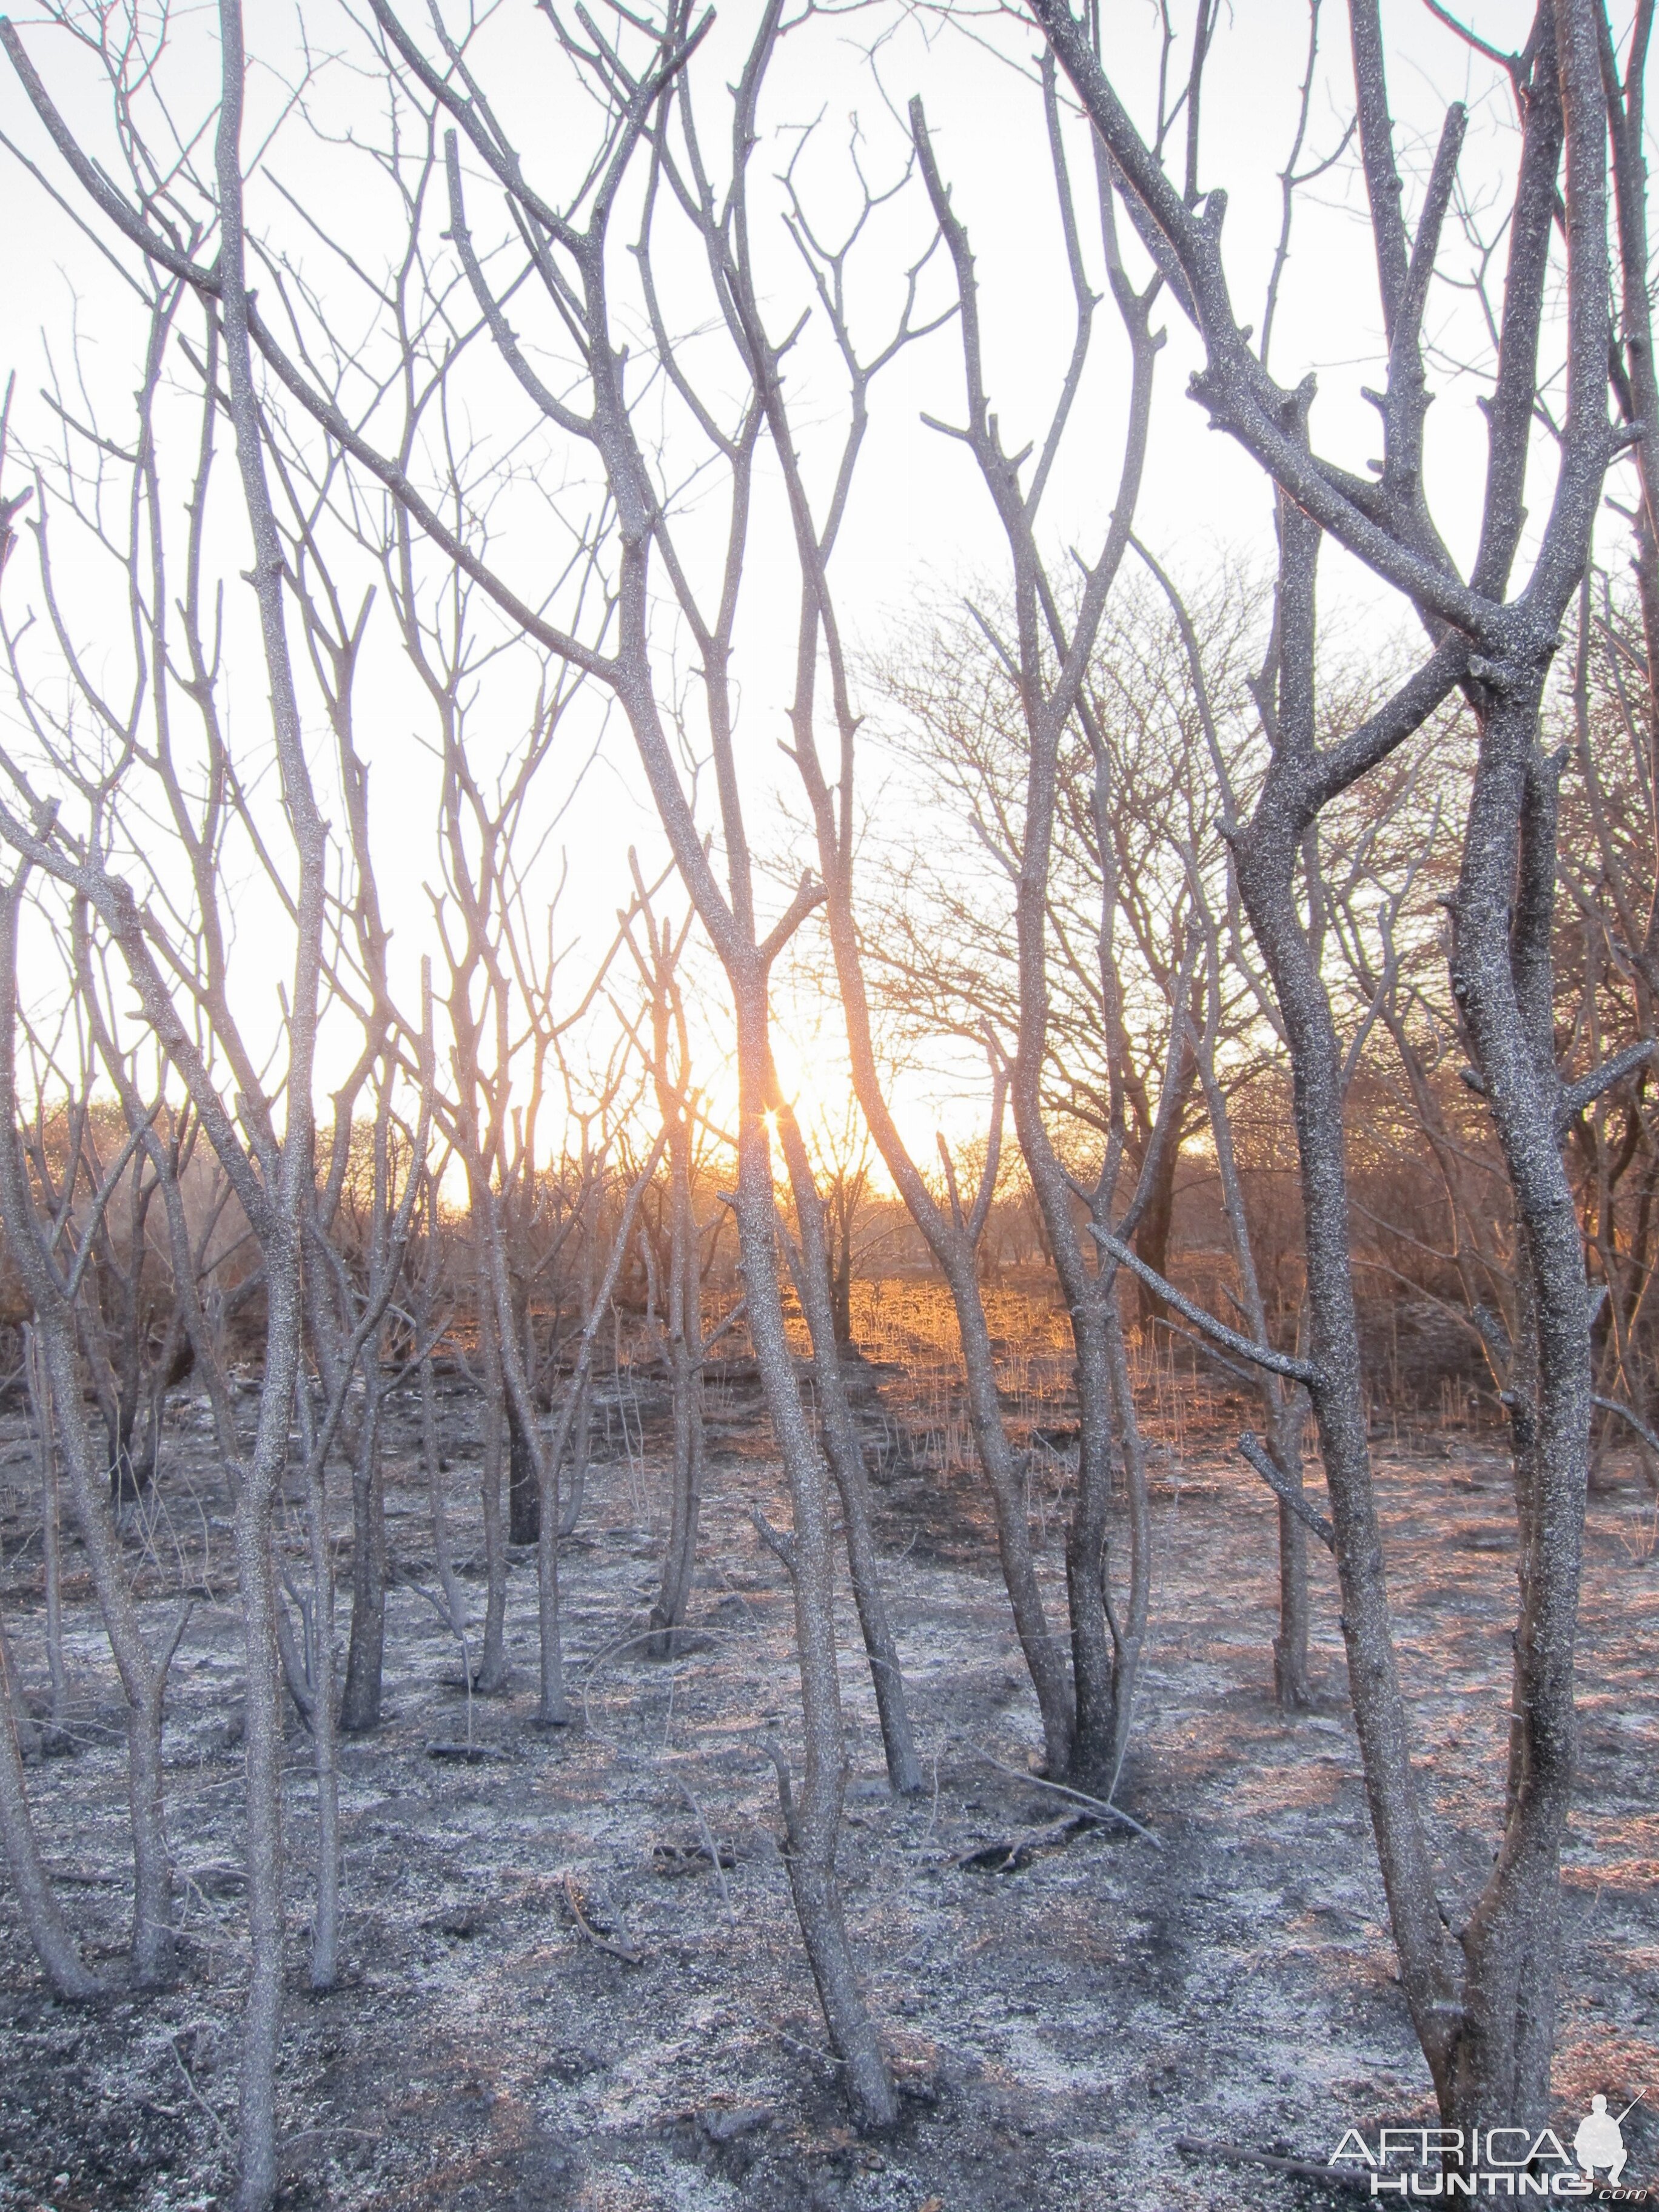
{"x":1056,"y":2026}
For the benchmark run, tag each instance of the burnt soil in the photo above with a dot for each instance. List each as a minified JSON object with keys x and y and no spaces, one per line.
{"x":1056,"y":2026}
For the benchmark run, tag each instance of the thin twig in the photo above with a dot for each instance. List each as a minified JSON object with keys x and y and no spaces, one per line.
{"x":710,"y":1847}
{"x":572,"y":1897}
{"x":197,"y":2098}
{"x":1061,"y":1790}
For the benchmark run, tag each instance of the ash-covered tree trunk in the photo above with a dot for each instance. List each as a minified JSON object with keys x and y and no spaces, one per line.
{"x":812,"y":1819}
{"x":642,"y":112}
{"x":37,"y":1901}
{"x":39,"y":1392}
{"x":491,"y":1678}
{"x":679,"y":1334}
{"x":365,"y":1647}
{"x":287,"y":1182}
{"x":811,"y":1270}
{"x":1502,"y":978}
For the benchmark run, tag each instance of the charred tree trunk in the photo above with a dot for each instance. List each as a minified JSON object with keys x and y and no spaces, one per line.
{"x":1266,"y":864}
{"x":491,"y":1677}
{"x":668,"y":1610}
{"x":1282,"y":1403}
{"x":1291,"y":1686}
{"x":1053,"y":658}
{"x":1267,"y":855}
{"x":581,"y":1452}
{"x":685,"y":1352}
{"x":841,"y":1287}
{"x":359,"y":1701}
{"x":1152,"y":1238}
{"x":524,"y":1491}
{"x":524,"y":1496}
{"x":1008,"y":1493}
{"x":143,"y":1678}
{"x":431,"y":1457}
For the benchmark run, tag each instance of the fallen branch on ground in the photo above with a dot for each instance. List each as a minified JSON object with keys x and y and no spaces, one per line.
{"x":1237,"y":2155}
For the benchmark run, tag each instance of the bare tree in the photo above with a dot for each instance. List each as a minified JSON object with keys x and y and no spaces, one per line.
{"x":1052,"y":658}
{"x":1480,"y":1981}
{"x":641,"y":103}
{"x":1085,"y":1710}
{"x":268,"y":1158}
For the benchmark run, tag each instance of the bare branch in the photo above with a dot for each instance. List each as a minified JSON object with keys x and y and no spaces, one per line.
{"x":1588,"y":1088}
{"x":1261,"y":1355}
{"x":1262,"y":1461}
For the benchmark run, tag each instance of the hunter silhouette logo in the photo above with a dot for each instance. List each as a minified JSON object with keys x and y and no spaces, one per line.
{"x":1600,"y":2141}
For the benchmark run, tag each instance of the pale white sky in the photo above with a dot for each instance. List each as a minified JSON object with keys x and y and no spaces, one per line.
{"x":920,"y":525}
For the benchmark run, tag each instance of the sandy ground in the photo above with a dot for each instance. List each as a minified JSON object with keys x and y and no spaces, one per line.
{"x":1056,"y":2026}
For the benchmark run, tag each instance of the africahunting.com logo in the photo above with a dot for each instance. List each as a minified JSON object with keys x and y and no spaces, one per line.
{"x":1453,"y":2162}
